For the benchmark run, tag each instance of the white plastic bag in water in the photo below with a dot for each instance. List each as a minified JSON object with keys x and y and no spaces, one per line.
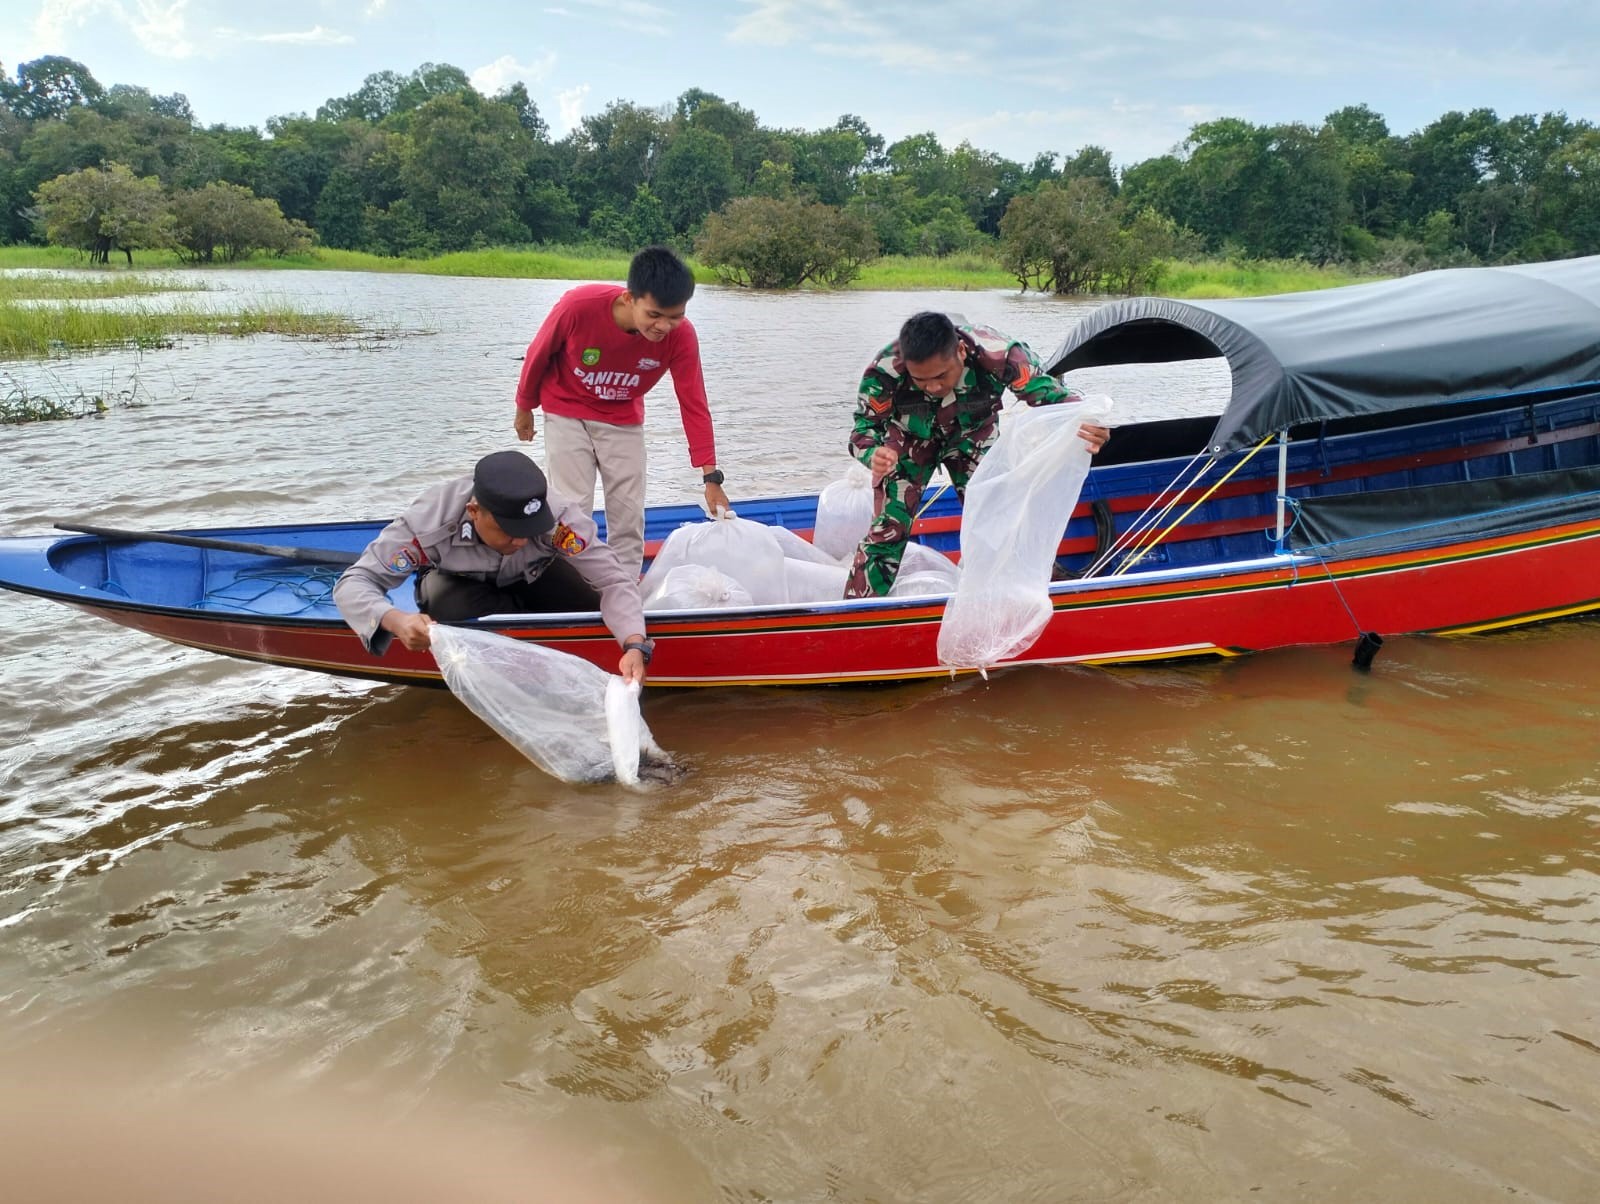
{"x":1016,"y":509}
{"x":844,"y":513}
{"x":558,"y":710}
{"x":625,"y":730}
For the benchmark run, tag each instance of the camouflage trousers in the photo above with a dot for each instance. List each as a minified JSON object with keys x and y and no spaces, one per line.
{"x":898,"y":495}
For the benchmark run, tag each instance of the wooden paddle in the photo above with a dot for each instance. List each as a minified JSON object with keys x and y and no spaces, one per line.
{"x":287,"y":551}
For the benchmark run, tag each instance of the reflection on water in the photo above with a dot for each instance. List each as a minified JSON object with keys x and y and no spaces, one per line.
{"x":1260,"y":926}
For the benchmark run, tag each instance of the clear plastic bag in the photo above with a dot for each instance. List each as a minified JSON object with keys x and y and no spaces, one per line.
{"x":697,"y":587}
{"x":794,"y":547}
{"x":1017,"y":506}
{"x":669,"y":555}
{"x":924,"y":561}
{"x":809,"y":581}
{"x":739,"y":548}
{"x":558,"y":710}
{"x":920,"y":585}
{"x":844,"y":513}
{"x":732,"y":561}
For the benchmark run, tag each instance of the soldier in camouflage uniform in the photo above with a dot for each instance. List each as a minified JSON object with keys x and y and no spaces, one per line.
{"x":933,"y":397}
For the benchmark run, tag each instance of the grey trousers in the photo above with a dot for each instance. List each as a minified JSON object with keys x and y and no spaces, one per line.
{"x":575,"y":451}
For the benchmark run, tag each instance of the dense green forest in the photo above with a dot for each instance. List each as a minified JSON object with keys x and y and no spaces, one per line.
{"x":420,"y":164}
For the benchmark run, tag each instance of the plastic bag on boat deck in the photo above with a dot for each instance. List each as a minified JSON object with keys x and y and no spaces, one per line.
{"x":737,"y":547}
{"x":844,"y":513}
{"x":1017,"y":506}
{"x":923,"y":560}
{"x":572,"y":719}
{"x":920,"y":585}
{"x":794,"y":547}
{"x":813,"y":581}
{"x":697,"y":587}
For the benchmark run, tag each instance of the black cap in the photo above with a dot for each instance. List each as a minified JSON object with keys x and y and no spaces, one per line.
{"x":512,"y":488}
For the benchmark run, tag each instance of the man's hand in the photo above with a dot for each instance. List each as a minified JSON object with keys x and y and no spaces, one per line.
{"x":410,"y":628}
{"x":524,"y":425}
{"x":716,"y":501}
{"x":883,"y":459}
{"x":631,"y":666}
{"x":1094,"y":436}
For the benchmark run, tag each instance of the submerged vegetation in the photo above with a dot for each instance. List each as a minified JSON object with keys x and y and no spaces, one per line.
{"x":41,"y":286}
{"x":30,"y":331}
{"x":20,"y":404}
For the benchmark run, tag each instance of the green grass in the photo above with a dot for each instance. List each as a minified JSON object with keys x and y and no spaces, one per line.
{"x":33,"y":331}
{"x":975,"y":270}
{"x":1228,"y":278}
{"x":39,"y":287}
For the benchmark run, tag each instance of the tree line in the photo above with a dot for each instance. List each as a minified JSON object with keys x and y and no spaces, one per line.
{"x":423,"y":163}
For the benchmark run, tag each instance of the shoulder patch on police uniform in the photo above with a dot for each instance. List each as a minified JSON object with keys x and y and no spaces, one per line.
{"x":409,"y":558}
{"x":567,"y":541}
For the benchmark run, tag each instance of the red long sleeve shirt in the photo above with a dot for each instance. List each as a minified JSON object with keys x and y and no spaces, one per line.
{"x":583,"y":365}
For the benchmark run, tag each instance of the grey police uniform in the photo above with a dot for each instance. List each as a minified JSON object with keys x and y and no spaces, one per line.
{"x":436,"y":533}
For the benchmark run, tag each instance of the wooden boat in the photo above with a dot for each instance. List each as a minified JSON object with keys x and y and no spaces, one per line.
{"x":1415,"y":456}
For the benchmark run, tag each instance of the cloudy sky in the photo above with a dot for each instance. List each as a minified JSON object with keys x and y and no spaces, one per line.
{"x":1016,"y":78}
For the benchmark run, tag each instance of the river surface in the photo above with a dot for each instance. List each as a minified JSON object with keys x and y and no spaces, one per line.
{"x":1263,"y":929}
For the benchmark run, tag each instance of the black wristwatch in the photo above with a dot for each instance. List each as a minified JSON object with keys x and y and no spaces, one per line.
{"x":643,"y":647}
{"x":714,"y":477}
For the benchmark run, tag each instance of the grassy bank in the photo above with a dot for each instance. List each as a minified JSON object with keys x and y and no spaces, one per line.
{"x":1208,"y":278}
{"x":1227,"y":278}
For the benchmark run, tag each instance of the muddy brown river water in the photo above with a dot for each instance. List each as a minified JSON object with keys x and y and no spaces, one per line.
{"x":1262,"y":929}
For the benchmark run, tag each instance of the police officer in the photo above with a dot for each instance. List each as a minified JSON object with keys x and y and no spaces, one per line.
{"x":933,"y":397}
{"x":497,"y":542}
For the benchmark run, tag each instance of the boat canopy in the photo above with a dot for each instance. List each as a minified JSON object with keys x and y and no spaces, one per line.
{"x":1456,"y":335}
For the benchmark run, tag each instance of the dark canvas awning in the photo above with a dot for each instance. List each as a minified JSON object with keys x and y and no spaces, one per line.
{"x":1447,"y":336}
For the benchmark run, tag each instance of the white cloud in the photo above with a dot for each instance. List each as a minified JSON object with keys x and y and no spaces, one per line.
{"x":315,"y":36}
{"x":630,"y":8}
{"x":160,"y":29}
{"x":1132,"y":132}
{"x":374,"y":8}
{"x":56,"y":17}
{"x":570,"y":105}
{"x":635,"y":16}
{"x":495,"y":77}
{"x":781,"y":22}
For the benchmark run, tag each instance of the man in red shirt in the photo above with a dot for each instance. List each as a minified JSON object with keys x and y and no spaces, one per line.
{"x":600,"y":350}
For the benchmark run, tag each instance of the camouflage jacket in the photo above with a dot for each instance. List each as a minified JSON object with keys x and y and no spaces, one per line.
{"x":890,"y":409}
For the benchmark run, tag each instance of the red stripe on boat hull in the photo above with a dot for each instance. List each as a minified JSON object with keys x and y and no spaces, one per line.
{"x":1486,"y":583}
